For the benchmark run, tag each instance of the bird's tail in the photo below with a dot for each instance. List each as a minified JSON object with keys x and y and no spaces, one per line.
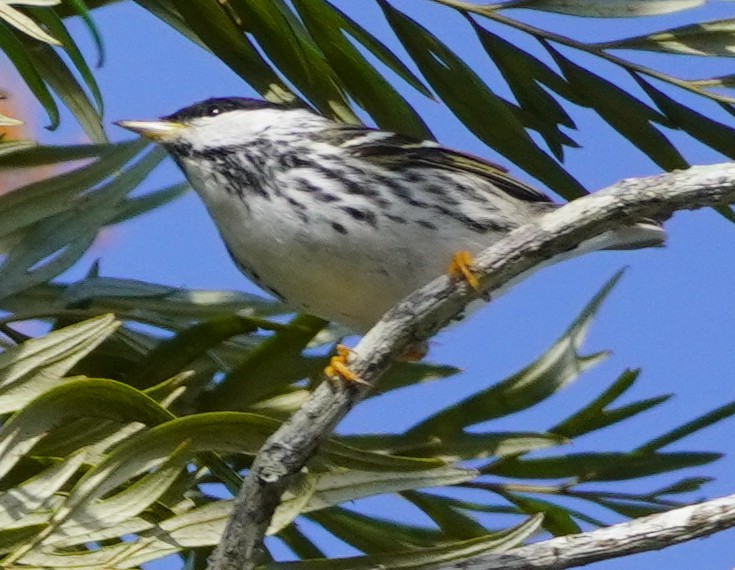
{"x":636,"y":236}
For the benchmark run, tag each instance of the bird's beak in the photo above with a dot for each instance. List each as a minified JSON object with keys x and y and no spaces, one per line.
{"x":158,"y":130}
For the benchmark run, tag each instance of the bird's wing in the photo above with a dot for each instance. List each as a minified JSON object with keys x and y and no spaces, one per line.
{"x":395,"y":152}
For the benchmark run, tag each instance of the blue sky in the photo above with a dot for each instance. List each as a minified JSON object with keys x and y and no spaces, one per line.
{"x":672,"y":314}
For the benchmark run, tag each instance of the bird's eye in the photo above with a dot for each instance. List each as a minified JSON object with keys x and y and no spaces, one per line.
{"x":214,"y":110}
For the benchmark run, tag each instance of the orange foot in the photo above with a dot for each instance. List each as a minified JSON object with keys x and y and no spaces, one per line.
{"x":461,"y":268}
{"x":337,"y":367}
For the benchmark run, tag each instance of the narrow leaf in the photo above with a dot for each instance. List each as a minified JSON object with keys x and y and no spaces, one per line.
{"x":606,"y":8}
{"x":469,"y":97}
{"x":714,"y":38}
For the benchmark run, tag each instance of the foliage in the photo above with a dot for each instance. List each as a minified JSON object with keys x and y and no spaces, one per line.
{"x":125,"y":425}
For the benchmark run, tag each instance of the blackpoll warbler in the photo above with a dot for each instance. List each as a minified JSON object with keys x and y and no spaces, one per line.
{"x":342,"y":221}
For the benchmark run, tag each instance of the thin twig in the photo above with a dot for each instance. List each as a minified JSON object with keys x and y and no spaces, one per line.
{"x":425,"y":311}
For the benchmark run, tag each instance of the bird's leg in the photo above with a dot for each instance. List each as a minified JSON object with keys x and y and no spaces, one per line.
{"x":338,"y":367}
{"x":461,"y":268}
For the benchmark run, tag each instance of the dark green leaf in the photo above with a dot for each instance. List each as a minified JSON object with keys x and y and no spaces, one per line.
{"x":599,"y":466}
{"x":268,"y":368}
{"x":368,"y":87}
{"x":381,"y":52}
{"x":557,"y":367}
{"x":693,"y":426}
{"x":595,"y":416}
{"x":83,"y":12}
{"x":218,"y":32}
{"x":623,"y":112}
{"x":688,"y":485}
{"x":58,"y":29}
{"x":64,"y":83}
{"x":173,"y":355}
{"x":16,"y":52}
{"x":294,"y":54}
{"x":714,"y":38}
{"x":46,"y":154}
{"x":712,"y":133}
{"x":525,"y":74}
{"x":606,"y":8}
{"x":469,"y":98}
{"x":556,"y":519}
{"x":631,"y":509}
{"x":454,"y":524}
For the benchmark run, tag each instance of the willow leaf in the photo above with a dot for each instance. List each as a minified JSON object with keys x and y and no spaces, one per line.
{"x":606,"y":8}
{"x":14,"y":48}
{"x":218,"y":32}
{"x":629,"y":116}
{"x":468,"y":97}
{"x":366,"y":85}
{"x":715,"y":38}
{"x":23,"y":23}
{"x":557,"y":367}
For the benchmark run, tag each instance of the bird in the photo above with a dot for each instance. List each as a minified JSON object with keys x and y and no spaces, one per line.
{"x":342,"y":221}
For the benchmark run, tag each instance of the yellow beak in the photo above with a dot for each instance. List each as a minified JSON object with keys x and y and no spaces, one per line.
{"x":155,"y":130}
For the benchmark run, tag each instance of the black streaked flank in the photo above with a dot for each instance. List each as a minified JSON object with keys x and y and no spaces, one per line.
{"x":339,"y":228}
{"x":361,"y":215}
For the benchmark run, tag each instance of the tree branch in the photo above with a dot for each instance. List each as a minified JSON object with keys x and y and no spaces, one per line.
{"x":653,"y":532}
{"x":427,"y":310}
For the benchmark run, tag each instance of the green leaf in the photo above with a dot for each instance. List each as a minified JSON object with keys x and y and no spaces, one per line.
{"x":714,"y":38}
{"x":403,"y":374}
{"x":276,"y":363}
{"x":380,"y":51}
{"x":29,"y":204}
{"x":458,"y":445}
{"x":606,"y":8}
{"x":595,"y":415}
{"x":328,"y":489}
{"x":58,"y":29}
{"x":29,"y":369}
{"x":83,"y":12}
{"x":365,"y":84}
{"x":74,"y":399}
{"x":23,"y":499}
{"x":631,"y":509}
{"x":454,"y":524}
{"x":293,"y":52}
{"x":556,"y":519}
{"x":688,"y":485}
{"x":133,"y":207}
{"x":424,"y":558}
{"x":9,"y":149}
{"x":468,"y":97}
{"x":23,"y":23}
{"x":58,"y":76}
{"x":690,"y":427}
{"x":39,"y":155}
{"x":373,"y":534}
{"x":173,"y":355}
{"x":712,"y":133}
{"x":623,"y":112}
{"x":218,"y":32}
{"x":557,"y":367}
{"x":599,"y":466}
{"x":527,"y":76}
{"x":53,"y":245}
{"x":16,"y":52}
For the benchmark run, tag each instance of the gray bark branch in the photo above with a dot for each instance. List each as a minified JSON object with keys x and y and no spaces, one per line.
{"x":653,"y":532}
{"x":427,"y":310}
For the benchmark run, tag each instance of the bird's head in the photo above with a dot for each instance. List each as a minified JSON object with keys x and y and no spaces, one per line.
{"x":222,"y":122}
